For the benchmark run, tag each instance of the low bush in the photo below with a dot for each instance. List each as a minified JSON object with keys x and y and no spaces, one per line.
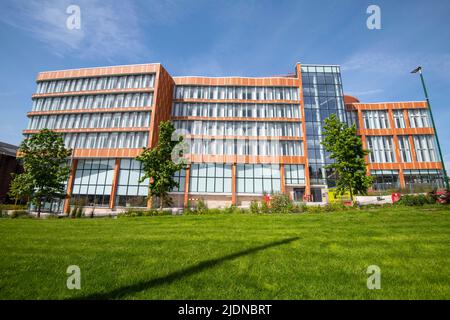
{"x":281,"y":203}
{"x":18,"y":213}
{"x":415,"y":200}
{"x":79,"y":213}
{"x":143,"y":213}
{"x":13,"y":207}
{"x":255,"y":207}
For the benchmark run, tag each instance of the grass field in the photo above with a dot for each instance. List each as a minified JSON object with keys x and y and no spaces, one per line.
{"x":235,"y":256}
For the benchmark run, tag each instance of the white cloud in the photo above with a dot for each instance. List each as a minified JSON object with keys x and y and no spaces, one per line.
{"x":109,"y":29}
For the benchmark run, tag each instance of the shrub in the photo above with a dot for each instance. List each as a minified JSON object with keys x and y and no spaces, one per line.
{"x":332,"y":207}
{"x":13,"y":207}
{"x":315,"y":209}
{"x":73,"y":212}
{"x":281,"y":203}
{"x":255,"y":207}
{"x":299,"y":208}
{"x":130,"y":213}
{"x":265,"y":208}
{"x":231,"y":209}
{"x":18,"y":213}
{"x":415,"y":200}
{"x":79,"y":213}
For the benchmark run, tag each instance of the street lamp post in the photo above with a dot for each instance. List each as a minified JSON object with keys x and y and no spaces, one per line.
{"x":419,"y":70}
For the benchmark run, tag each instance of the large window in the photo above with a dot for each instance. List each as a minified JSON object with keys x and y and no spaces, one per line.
{"x":382,"y":149}
{"x":425,"y":148}
{"x":97,"y":83}
{"x":93,"y":182}
{"x":404,"y":148}
{"x":221,"y":110}
{"x":385,"y":179}
{"x":131,"y":192}
{"x":375,"y":119}
{"x":423,"y":180}
{"x":418,"y":118}
{"x":257,"y":178}
{"x":236,"y":93}
{"x":210,"y":178}
{"x":180,"y":177}
{"x":294,"y":174}
{"x":399,"y":118}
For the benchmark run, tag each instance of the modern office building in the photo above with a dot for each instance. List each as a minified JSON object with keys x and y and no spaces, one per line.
{"x":245,"y":136}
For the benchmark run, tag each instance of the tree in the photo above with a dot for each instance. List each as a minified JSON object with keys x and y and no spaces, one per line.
{"x":44,"y":158}
{"x":346,"y":149}
{"x":159,"y":166}
{"x":21,"y":187}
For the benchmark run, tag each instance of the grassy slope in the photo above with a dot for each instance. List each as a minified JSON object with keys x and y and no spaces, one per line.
{"x":173,"y":257}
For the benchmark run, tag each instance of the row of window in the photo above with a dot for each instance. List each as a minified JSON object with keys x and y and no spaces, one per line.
{"x":91,"y":120}
{"x":375,"y":119}
{"x":382,"y":148}
{"x":236,"y":110}
{"x":378,"y":119}
{"x":240,"y":93}
{"x":106,"y":140}
{"x":94,"y":178}
{"x":93,"y":101}
{"x":389,"y":179}
{"x":321,"y":70}
{"x":244,"y":147}
{"x":97,"y":83}
{"x":239,"y":128}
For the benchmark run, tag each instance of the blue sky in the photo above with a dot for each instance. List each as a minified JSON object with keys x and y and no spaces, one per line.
{"x":254,"y":38}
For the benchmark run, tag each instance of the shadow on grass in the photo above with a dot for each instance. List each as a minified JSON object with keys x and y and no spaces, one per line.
{"x":174,"y":276}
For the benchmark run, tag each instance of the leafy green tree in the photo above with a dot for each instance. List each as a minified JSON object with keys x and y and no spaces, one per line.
{"x":44,"y":159}
{"x":346,"y":148}
{"x":162,"y":162}
{"x":21,"y":187}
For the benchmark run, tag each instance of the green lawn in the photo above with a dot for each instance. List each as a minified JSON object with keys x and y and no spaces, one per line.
{"x":235,"y":256}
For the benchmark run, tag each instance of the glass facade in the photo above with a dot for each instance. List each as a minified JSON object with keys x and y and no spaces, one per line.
{"x":423,"y":180}
{"x":93,"y":182}
{"x":385,"y":179}
{"x":294,"y":174}
{"x":210,"y":178}
{"x":257,"y":178}
{"x":131,"y":192}
{"x":323,"y":96}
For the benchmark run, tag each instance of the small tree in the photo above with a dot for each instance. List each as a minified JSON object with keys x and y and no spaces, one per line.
{"x":44,"y":159}
{"x":21,"y":187}
{"x":348,"y":154}
{"x":159,"y":165}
